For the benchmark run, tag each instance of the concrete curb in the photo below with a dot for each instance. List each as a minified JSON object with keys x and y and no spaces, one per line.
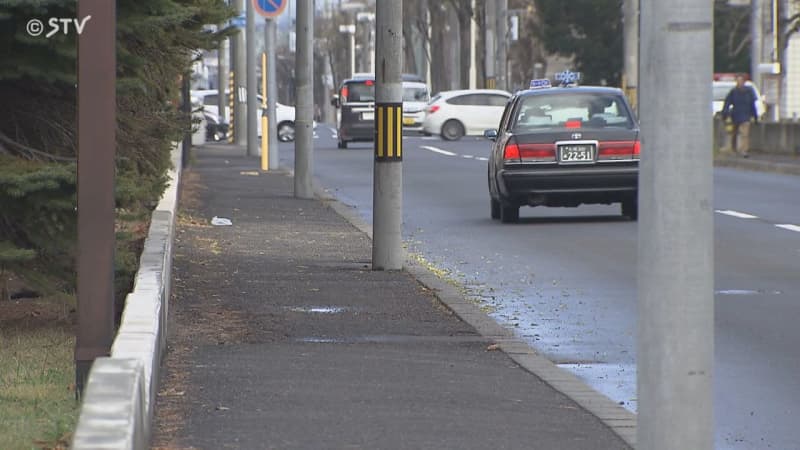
{"x":619,"y":419}
{"x":117,"y":407}
{"x":757,"y":165}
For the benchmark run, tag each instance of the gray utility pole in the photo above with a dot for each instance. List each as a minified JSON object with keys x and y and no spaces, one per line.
{"x":490,"y":25}
{"x":756,"y":42}
{"x":304,"y":89}
{"x":630,"y":81}
{"x":253,"y":146}
{"x":239,"y":72}
{"x":675,"y":345}
{"x":501,"y":41}
{"x":473,"y":54}
{"x":223,"y":74}
{"x":97,"y":144}
{"x":270,"y":36}
{"x":387,"y":194}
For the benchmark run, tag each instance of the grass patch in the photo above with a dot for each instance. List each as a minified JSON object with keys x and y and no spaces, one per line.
{"x":37,"y":391}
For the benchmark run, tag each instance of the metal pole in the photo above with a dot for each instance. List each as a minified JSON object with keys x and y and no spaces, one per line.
{"x":502,"y":44}
{"x":756,"y":42}
{"x":676,"y":236}
{"x":223,"y":75}
{"x":428,"y":34}
{"x":473,"y":48}
{"x":352,"y":36}
{"x":264,"y":119}
{"x":489,"y":23}
{"x":186,"y":108}
{"x":239,"y":74}
{"x":371,"y":53}
{"x":630,"y":81}
{"x":252,"y":91}
{"x":304,"y":88}
{"x":97,"y":124}
{"x":387,"y":195}
{"x":270,"y":36}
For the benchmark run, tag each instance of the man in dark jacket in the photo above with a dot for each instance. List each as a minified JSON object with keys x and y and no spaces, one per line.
{"x":742,"y":99}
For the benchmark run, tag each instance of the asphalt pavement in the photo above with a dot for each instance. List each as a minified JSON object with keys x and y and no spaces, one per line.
{"x":280,"y":336}
{"x":565,"y":278}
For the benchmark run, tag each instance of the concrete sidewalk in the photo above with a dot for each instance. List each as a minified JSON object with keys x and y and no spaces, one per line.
{"x":281,"y":337}
{"x":761,"y":162}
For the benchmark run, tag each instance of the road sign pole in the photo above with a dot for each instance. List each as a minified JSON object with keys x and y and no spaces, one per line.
{"x":501,"y":41}
{"x":252,"y":90}
{"x":490,"y":24}
{"x":676,"y":238}
{"x":239,"y":75}
{"x":387,"y":251}
{"x":631,"y":42}
{"x":97,"y":122}
{"x":304,"y":88}
{"x":270,"y":36}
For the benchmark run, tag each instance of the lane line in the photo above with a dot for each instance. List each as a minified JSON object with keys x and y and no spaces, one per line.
{"x":741,"y":215}
{"x":481,"y":158}
{"x":788,"y":226}
{"x":437,"y":150}
{"x":467,"y":156}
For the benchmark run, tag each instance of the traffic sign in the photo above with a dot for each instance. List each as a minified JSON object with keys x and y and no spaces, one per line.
{"x":270,"y":8}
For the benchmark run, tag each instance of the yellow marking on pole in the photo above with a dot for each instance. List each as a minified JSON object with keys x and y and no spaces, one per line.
{"x":399,"y":131}
{"x":379,"y":123}
{"x":230,"y":108}
{"x":389,"y":131}
{"x":264,"y":118}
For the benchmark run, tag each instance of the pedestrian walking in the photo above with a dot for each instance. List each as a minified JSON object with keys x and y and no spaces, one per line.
{"x":742,"y":100}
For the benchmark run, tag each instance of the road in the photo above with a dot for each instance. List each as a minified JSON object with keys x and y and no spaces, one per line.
{"x":565,"y":278}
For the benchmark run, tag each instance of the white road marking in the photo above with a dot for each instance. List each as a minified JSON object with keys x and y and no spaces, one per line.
{"x":788,"y":226}
{"x":429,"y":138}
{"x":467,"y":156}
{"x":481,"y":158}
{"x":738,"y":214}
{"x":437,"y":150}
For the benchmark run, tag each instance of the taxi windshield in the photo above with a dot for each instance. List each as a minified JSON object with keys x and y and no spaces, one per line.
{"x":572,"y":110}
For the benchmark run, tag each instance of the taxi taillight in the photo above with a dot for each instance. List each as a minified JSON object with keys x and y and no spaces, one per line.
{"x":511,"y":151}
{"x":530,"y":152}
{"x":345,"y":91}
{"x":623,"y":150}
{"x":432,"y":109}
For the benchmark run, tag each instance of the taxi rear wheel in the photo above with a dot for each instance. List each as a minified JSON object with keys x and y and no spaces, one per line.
{"x":630,"y":209}
{"x":452,"y":130}
{"x":495,"y":206}
{"x":509,"y":213}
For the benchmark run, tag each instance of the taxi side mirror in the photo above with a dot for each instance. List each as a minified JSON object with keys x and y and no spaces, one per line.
{"x":490,"y":134}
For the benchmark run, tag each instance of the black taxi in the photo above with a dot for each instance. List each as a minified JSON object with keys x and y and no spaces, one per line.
{"x":564,"y":146}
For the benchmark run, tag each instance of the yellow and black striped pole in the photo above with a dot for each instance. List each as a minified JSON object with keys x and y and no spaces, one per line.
{"x":231,"y":97}
{"x":389,"y":132}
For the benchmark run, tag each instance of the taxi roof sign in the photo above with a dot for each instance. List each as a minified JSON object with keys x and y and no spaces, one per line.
{"x":568,"y":77}
{"x":540,"y":83}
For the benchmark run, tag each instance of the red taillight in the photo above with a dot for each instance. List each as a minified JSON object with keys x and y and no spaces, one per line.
{"x":573,"y":124}
{"x":345,"y":91}
{"x":432,"y":109}
{"x":618,"y":149}
{"x":637,"y":148}
{"x":368,"y":82}
{"x":511,"y":151}
{"x":538,"y":151}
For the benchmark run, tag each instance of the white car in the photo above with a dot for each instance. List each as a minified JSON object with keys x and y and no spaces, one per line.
{"x":721,"y":89}
{"x":415,"y":99}
{"x":453,"y":114}
{"x":283,"y":113}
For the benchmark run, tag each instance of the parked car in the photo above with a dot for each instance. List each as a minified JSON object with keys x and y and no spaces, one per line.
{"x":415,"y":100}
{"x":564,"y":146}
{"x":284,"y":114}
{"x":453,"y":114}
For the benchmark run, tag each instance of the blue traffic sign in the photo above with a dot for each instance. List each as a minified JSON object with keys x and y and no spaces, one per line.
{"x":270,"y":8}
{"x":238,"y":21}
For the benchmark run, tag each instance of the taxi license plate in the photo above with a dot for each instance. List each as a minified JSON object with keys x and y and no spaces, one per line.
{"x":408,"y":121}
{"x":369,"y":115}
{"x":576,"y":153}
